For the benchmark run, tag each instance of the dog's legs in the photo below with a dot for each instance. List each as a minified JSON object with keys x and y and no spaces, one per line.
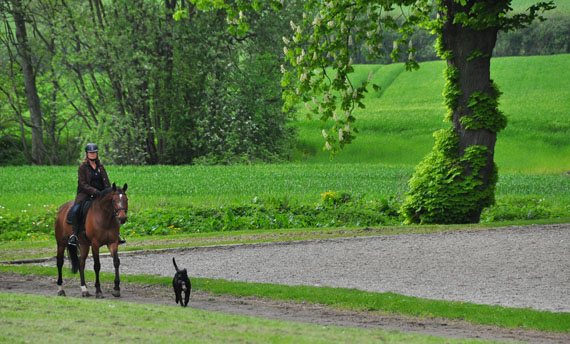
{"x":186,"y":296}
{"x":178,"y":293}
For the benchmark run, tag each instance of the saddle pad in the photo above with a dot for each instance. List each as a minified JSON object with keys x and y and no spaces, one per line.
{"x":82,"y":213}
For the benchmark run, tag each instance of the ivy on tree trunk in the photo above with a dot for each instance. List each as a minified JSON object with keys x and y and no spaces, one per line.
{"x":463,"y":183}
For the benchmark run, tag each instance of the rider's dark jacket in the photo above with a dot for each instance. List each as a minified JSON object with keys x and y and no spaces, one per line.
{"x":86,"y":177}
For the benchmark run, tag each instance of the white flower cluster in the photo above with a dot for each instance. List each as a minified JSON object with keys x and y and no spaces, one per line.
{"x":317,"y":20}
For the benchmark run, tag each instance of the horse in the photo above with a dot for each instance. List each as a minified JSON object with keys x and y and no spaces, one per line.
{"x":107,"y":212}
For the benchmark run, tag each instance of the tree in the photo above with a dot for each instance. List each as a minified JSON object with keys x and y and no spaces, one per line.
{"x":456,"y":181}
{"x":18,"y":12}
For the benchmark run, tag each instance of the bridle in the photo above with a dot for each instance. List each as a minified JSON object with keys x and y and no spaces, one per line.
{"x":117,"y":210}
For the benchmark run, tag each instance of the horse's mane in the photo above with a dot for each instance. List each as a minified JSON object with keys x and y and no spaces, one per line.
{"x":105,"y":193}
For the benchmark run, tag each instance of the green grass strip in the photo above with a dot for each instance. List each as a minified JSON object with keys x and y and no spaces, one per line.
{"x":40,"y":319}
{"x":353,"y":299}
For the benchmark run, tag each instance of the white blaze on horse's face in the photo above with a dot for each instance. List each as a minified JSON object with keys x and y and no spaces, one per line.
{"x":121,"y":204}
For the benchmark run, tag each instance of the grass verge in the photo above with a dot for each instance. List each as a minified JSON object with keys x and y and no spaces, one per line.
{"x":354,"y":299}
{"x":59,"y":319}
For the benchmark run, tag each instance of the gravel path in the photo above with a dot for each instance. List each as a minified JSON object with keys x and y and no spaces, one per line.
{"x":514,"y":266}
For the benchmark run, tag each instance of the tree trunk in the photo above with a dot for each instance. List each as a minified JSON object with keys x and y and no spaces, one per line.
{"x":163,"y":108}
{"x":24,"y":51}
{"x":456,"y":181}
{"x":472,"y":51}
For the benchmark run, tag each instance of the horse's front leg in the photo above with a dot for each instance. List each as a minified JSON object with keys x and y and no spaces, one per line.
{"x":84,"y":254}
{"x":97,"y":268}
{"x":60,"y":258}
{"x":116,"y":262}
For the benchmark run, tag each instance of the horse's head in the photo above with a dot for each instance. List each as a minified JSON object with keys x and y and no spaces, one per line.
{"x":120,"y":202}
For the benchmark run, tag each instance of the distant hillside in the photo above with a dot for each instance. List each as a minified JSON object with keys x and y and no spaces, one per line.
{"x":397,"y":125}
{"x":540,"y":38}
{"x":562,"y":6}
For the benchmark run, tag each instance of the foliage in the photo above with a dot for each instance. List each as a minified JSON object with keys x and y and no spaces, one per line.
{"x":543,"y":38}
{"x":321,"y":51}
{"x":167,"y":200}
{"x":441,"y":191}
{"x":148,"y":89}
{"x":24,"y":225}
{"x":511,"y":208}
{"x":270,"y":214}
{"x":485,"y":111}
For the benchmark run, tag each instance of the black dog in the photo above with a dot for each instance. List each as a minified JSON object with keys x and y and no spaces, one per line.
{"x":181,"y":282}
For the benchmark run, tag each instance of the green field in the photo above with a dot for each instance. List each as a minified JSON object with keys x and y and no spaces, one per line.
{"x":397,"y":125}
{"x":32,"y":189}
{"x":562,"y":6}
{"x":533,"y":155}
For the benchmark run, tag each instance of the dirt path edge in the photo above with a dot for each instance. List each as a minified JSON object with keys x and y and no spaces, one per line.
{"x":284,"y":311}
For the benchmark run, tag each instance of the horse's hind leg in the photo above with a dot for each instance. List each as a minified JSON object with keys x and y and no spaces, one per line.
{"x":97,"y":268}
{"x":60,"y":258}
{"x":84,"y":254}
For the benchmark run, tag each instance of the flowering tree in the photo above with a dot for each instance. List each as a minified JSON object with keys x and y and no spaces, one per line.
{"x":457,"y":179}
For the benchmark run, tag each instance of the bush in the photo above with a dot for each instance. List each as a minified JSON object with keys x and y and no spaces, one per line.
{"x":526,"y":208}
{"x":541,"y":38}
{"x":271,"y":214}
{"x":24,"y":225}
{"x":336,"y":209}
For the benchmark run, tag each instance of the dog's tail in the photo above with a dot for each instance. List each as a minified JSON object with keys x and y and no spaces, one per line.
{"x":175,"y":266}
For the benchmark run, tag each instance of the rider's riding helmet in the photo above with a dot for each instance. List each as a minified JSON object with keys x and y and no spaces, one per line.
{"x":91,"y":148}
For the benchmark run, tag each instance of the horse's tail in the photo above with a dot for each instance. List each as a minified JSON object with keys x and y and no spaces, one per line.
{"x":73,"y":257}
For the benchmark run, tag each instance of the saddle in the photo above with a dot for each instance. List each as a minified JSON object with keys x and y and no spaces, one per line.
{"x":81,"y":214}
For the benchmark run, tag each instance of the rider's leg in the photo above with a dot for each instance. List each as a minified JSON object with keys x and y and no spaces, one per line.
{"x":74,"y":224}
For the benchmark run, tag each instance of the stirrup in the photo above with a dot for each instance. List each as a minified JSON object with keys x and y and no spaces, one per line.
{"x":72,"y":240}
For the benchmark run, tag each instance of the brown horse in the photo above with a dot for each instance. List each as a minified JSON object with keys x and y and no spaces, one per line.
{"x":107,"y":212}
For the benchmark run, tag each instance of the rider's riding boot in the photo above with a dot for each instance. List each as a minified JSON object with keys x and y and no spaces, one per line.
{"x":75,"y":227}
{"x":121,"y":241}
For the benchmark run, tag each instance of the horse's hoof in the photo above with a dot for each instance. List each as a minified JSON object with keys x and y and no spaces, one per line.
{"x":100,"y":295}
{"x":116,"y":293}
{"x":85,"y":294}
{"x":61,"y":293}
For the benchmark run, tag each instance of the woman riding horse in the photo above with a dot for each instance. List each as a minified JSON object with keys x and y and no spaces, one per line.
{"x":104,"y":218}
{"x":92,"y":180}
